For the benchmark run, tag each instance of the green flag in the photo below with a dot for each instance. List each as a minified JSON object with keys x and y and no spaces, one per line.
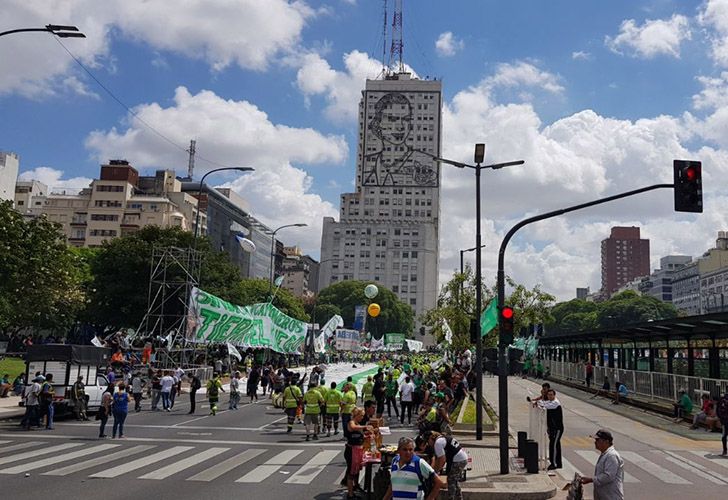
{"x":489,"y":318}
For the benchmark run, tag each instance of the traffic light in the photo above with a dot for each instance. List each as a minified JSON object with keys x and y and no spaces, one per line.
{"x":506,"y":326}
{"x":422,"y":331}
{"x":687,"y":176}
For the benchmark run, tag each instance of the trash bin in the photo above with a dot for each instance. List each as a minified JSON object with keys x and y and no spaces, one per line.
{"x":531,"y":458}
{"x":522,"y":437}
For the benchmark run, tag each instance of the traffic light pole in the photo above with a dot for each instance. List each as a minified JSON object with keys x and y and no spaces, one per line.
{"x":502,"y":360}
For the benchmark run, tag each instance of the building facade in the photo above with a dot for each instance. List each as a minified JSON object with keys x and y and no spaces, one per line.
{"x":300,"y":273}
{"x":686,"y":289}
{"x":714,"y":277}
{"x":625,"y":256}
{"x":659,"y":283}
{"x":116,"y":204}
{"x":388,"y":229}
{"x":9,"y":165}
{"x":228,"y":216}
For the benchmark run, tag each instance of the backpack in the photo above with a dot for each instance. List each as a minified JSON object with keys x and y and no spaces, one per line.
{"x":213,"y":390}
{"x":722,"y":410}
{"x":196,"y":385}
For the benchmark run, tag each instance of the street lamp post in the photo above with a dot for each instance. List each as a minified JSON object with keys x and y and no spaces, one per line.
{"x":58,"y":30}
{"x":199,"y":195}
{"x":462,"y":270}
{"x":479,"y":157}
{"x":272,"y":250}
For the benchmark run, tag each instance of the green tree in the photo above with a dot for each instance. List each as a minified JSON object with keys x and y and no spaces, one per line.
{"x":254,"y":291}
{"x":41,"y":285}
{"x":395,"y":316}
{"x":121,"y":275}
{"x":629,"y":307}
{"x":456,"y":304}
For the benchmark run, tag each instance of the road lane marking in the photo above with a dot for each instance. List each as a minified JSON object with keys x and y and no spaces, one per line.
{"x":312,"y":468}
{"x":70,"y":469}
{"x":183,"y":464}
{"x":718,"y":460}
{"x":287,"y":444}
{"x":592,"y":456}
{"x":37,"y":464}
{"x":227,"y":465}
{"x":661,"y":473}
{"x":38,"y":452}
{"x":262,"y":427}
{"x":20,"y":446}
{"x":270,"y":467}
{"x":141,"y":462}
{"x":568,"y":470}
{"x":695,"y":468}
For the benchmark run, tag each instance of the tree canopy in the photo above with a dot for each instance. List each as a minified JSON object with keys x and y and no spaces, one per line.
{"x":395,"y":317}
{"x":621,"y":309}
{"x":41,"y":285}
{"x":456,"y":304}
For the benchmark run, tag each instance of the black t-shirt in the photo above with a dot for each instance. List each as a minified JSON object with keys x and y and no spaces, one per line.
{"x":379,"y":390}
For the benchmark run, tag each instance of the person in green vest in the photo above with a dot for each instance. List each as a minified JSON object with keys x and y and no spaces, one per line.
{"x":367,"y":390}
{"x":333,"y":409}
{"x":539,"y":369}
{"x":527,"y":367}
{"x":391,"y":395}
{"x":312,"y":401}
{"x":683,"y":407}
{"x":348,"y":402}
{"x":214,"y":386}
{"x":291,"y":398}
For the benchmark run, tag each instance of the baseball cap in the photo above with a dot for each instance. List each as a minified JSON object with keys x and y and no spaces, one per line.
{"x":603,"y":434}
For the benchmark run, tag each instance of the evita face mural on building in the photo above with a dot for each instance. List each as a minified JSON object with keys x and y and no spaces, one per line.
{"x":395,"y":162}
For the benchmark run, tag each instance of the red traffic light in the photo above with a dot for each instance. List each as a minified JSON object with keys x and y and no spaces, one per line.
{"x":691,"y":174}
{"x":507,"y":312}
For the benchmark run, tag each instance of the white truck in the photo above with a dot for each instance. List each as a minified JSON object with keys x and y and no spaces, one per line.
{"x":66,"y":362}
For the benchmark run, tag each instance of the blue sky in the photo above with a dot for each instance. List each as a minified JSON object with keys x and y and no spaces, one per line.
{"x":597,"y":97}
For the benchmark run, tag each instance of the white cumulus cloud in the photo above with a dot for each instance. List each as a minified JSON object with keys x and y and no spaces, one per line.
{"x":236,"y":32}
{"x":53,"y":178}
{"x":653,"y":38}
{"x":234,"y":133}
{"x":715,"y":15}
{"x":447,"y":45}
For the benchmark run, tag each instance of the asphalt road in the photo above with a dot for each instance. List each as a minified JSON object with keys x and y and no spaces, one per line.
{"x":661,"y":460}
{"x":242,"y":453}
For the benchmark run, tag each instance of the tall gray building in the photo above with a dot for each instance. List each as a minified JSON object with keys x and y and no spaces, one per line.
{"x":388,"y":229}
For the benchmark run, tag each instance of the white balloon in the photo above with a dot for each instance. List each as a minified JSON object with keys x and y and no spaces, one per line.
{"x":371,"y":291}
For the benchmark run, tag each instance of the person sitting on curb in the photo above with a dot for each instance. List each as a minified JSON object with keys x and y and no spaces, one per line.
{"x":620,"y":392}
{"x":707,"y":407}
{"x":604,"y":391}
{"x":683,"y":407}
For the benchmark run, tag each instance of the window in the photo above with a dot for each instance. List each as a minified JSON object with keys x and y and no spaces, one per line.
{"x":110,"y":189}
{"x":106,"y":217}
{"x":21,"y":203}
{"x":103,"y":232}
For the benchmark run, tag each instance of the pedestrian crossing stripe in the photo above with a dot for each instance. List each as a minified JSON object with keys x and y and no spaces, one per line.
{"x":577,"y":442}
{"x":155,"y":462}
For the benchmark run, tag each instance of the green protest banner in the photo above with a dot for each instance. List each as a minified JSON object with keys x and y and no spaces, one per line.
{"x":489,"y":318}
{"x":394,"y":341}
{"x":258,"y":325}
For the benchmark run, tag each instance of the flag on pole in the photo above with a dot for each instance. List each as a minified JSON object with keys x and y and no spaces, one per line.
{"x":232,"y":351}
{"x":489,"y":318}
{"x":447,"y":330}
{"x":95,"y":341}
{"x":319,"y":341}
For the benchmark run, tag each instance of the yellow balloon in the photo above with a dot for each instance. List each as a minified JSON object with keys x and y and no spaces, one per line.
{"x":374,"y":310}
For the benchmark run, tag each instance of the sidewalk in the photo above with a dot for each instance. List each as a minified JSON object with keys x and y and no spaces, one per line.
{"x":485,"y":482}
{"x":9,"y":408}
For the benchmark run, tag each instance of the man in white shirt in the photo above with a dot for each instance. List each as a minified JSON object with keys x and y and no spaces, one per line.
{"x":608,"y":477}
{"x":32,"y":403}
{"x":406,"y":391}
{"x":167,"y":382}
{"x":234,"y":391}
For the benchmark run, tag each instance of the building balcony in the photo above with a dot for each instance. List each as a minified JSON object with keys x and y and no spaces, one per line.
{"x":131,"y":225}
{"x":78,"y":223}
{"x":77,"y":239}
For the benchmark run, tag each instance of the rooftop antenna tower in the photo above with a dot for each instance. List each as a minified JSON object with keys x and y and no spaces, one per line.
{"x":385,"y":70}
{"x":191,"y":163}
{"x":395,"y":52}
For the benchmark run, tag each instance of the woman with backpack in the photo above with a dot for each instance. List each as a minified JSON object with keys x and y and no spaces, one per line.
{"x":120,"y":410}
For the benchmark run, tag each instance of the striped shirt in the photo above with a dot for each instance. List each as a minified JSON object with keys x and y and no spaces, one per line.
{"x":405,"y":480}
